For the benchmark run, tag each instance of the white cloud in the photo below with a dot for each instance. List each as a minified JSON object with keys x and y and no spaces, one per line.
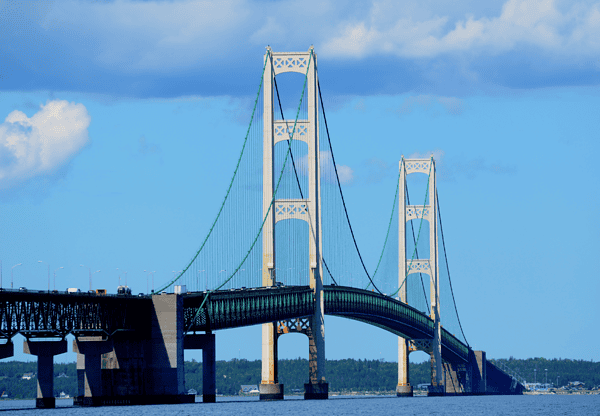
{"x":345,"y":173}
{"x":521,"y":22}
{"x":41,"y":144}
{"x":190,"y":33}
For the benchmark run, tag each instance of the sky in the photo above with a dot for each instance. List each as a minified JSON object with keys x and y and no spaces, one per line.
{"x":122,"y":121}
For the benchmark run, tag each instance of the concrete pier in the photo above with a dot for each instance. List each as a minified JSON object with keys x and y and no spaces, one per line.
{"x":403,"y":389}
{"x":478,"y":363}
{"x":316,"y":391}
{"x":45,"y":352}
{"x":137,"y":367}
{"x":206,"y":343}
{"x":270,"y":388}
{"x":89,"y":366}
{"x":437,"y":386}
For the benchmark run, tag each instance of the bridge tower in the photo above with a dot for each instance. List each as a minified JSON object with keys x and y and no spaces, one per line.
{"x":407,"y":266}
{"x":308,"y":209}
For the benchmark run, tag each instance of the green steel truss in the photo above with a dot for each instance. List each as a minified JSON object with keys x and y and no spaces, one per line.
{"x":243,"y":307}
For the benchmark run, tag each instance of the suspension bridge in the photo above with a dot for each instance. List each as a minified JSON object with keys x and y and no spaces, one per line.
{"x":280,"y":253}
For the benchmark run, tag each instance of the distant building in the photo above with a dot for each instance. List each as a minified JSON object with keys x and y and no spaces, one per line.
{"x":62,"y":375}
{"x":576,"y":385}
{"x":249,"y":389}
{"x":28,"y":376}
{"x":192,"y":392}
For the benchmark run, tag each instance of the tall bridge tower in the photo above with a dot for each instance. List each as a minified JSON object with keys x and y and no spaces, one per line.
{"x":407,"y":266}
{"x":307,"y":209}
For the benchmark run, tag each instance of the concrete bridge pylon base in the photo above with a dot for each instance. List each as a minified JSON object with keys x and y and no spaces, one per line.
{"x":316,"y":391}
{"x":404,"y":391}
{"x":436,"y":391}
{"x":271,"y":391}
{"x":45,"y":352}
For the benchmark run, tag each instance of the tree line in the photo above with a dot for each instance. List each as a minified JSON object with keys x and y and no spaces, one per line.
{"x":563,"y":371}
{"x":344,"y":376}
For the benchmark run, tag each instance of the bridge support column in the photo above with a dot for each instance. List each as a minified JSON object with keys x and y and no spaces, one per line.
{"x":317,"y":388}
{"x":270,"y":388}
{"x":437,"y":376}
{"x":89,"y":374}
{"x":45,"y":352}
{"x":167,"y":383}
{"x":478,"y":365}
{"x":456,"y":379}
{"x":7,"y":350}
{"x":404,"y":389}
{"x":138,"y":367}
{"x":206,"y":343}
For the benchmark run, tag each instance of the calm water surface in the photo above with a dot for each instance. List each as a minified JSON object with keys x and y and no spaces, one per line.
{"x":344,"y":405}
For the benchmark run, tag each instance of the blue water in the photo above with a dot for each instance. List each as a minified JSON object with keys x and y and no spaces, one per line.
{"x":341,"y":405}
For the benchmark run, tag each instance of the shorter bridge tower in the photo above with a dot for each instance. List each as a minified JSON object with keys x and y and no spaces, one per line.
{"x":307,"y":209}
{"x":407,"y":266}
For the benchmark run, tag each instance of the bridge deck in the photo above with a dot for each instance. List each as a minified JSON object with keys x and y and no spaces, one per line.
{"x":56,"y":314}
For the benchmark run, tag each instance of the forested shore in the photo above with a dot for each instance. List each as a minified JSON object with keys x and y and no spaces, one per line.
{"x":344,"y":376}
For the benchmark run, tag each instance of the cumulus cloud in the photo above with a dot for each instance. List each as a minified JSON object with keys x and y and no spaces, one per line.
{"x":180,"y":47}
{"x":345,"y":173}
{"x":41,"y":144}
{"x":541,"y":24}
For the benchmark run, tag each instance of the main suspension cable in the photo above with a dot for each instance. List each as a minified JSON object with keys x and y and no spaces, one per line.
{"x":447,"y":267}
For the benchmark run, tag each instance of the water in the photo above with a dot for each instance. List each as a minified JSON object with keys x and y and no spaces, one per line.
{"x":547,"y":405}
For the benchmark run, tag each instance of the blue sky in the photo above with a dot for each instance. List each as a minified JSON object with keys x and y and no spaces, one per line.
{"x":122,"y":121}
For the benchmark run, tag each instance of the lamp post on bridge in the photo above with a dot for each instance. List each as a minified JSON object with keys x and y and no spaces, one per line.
{"x":97,"y":271}
{"x":55,"y":276}
{"x":41,"y":261}
{"x":125,"y":273}
{"x":149,"y":273}
{"x":11,"y":273}
{"x":90,"y":272}
{"x":557,"y":377}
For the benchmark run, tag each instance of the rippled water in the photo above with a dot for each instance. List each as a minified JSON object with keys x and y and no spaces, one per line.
{"x":342,"y":405}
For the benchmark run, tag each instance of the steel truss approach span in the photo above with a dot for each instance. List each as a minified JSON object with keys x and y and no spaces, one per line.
{"x":46,"y":314}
